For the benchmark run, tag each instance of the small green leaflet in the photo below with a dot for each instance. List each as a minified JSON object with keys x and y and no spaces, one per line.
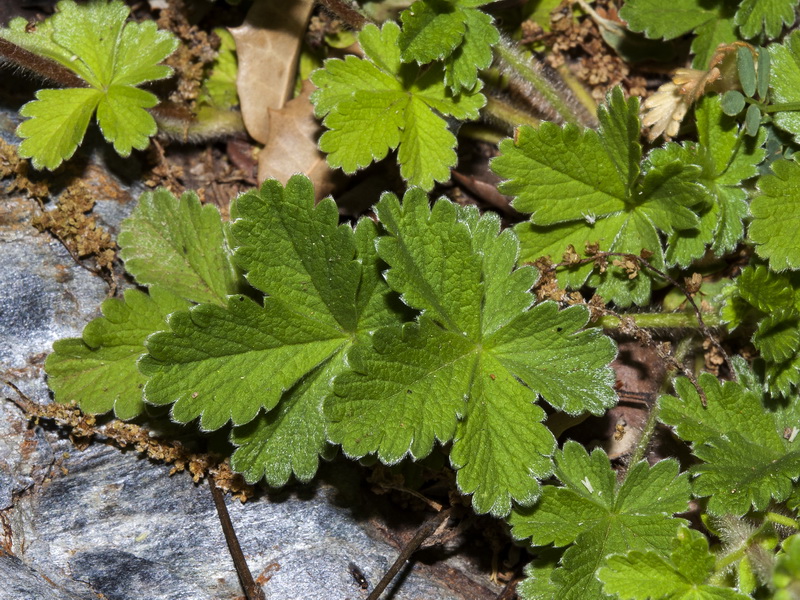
{"x":596,"y":519}
{"x":113,"y":57}
{"x":776,"y":216}
{"x":747,"y":461}
{"x":727,"y":160}
{"x":227,"y":363}
{"x":453,"y":31}
{"x":684,"y":575}
{"x":786,"y":576}
{"x":712,"y":22}
{"x":769,"y":16}
{"x":784,"y":82}
{"x":586,"y":187}
{"x":179,"y":245}
{"x":471,"y":367}
{"x":99,"y":370}
{"x":219,"y":86}
{"x":377,"y":104}
{"x":772,"y":301}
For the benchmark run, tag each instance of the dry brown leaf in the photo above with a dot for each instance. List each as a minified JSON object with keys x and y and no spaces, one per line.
{"x":267,"y":46}
{"x":291,"y":146}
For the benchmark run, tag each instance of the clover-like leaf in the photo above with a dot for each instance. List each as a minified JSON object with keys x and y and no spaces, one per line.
{"x":586,"y":187}
{"x":597,"y":520}
{"x":470,"y":369}
{"x":747,"y":460}
{"x":376,"y":104}
{"x":179,"y":245}
{"x":113,"y":57}
{"x":98,"y":371}
{"x":685,"y":575}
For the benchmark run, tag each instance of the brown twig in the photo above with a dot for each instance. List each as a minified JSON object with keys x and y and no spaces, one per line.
{"x":251,"y":589}
{"x":509,"y":591}
{"x":413,"y":544}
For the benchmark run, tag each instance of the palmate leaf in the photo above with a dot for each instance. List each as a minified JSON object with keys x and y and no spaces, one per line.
{"x":98,"y":371}
{"x":595,"y":519}
{"x":175,"y":247}
{"x":377,"y":104}
{"x":784,"y":82}
{"x":471,"y":367}
{"x":113,"y":57}
{"x":583,"y":186}
{"x":747,"y":462}
{"x":776,"y":216}
{"x":323,"y":293}
{"x":769,"y":16}
{"x":684,"y":575}
{"x":453,"y":31}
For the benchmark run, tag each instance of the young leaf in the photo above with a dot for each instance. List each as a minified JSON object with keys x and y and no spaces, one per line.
{"x":774,"y":226}
{"x":377,"y":104}
{"x":324,"y":293}
{"x":747,"y":460}
{"x":591,"y":187}
{"x":471,"y":367}
{"x":219,"y":86}
{"x":453,"y":31}
{"x":769,"y":16}
{"x":685,"y":575}
{"x":786,"y":577}
{"x":179,"y":245}
{"x":113,"y":57}
{"x":771,"y":301}
{"x":98,"y":370}
{"x":712,"y":22}
{"x":727,"y":161}
{"x":596,"y":519}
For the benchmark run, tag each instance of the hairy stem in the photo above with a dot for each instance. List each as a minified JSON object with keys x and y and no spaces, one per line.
{"x":539,"y":89}
{"x":40,"y":66}
{"x":209,"y":124}
{"x":678,"y":320}
{"x":506,"y":115}
{"x":345,"y":12}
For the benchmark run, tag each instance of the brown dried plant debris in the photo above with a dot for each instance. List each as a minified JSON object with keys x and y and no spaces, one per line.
{"x":19,"y":170}
{"x":70,"y":222}
{"x":194,"y":55}
{"x":83,"y":429}
{"x":580,"y":45}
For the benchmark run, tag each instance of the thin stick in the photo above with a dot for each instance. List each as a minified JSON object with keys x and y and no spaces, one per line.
{"x":251,"y":589}
{"x":509,"y":591}
{"x":414,"y":543}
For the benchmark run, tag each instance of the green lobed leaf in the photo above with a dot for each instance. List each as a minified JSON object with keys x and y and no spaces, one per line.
{"x":768,"y":16}
{"x":227,"y":363}
{"x":219,"y":84}
{"x":99,"y":370}
{"x":179,"y":245}
{"x":747,"y":461}
{"x":432,"y":29}
{"x":94,"y":41}
{"x":685,"y":575}
{"x":377,"y":104}
{"x":786,"y":576}
{"x":471,"y":367}
{"x":712,"y":21}
{"x":474,"y":53}
{"x":776,"y":216}
{"x":585,"y":187}
{"x":599,"y":520}
{"x":784,"y":82}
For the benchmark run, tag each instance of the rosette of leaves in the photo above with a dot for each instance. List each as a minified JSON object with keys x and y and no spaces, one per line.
{"x":111,"y":57}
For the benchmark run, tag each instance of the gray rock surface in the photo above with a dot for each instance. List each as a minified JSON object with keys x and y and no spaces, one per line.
{"x":108,"y":524}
